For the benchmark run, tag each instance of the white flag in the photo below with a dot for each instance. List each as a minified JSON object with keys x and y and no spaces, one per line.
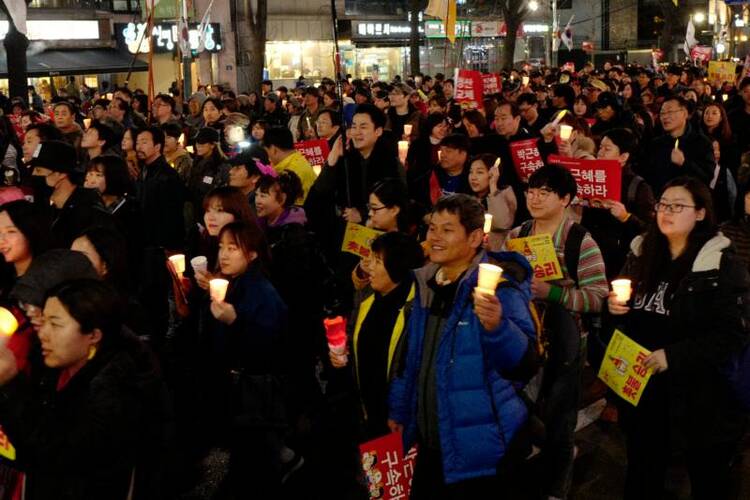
{"x":17,"y":11}
{"x":183,"y":31}
{"x":567,"y":34}
{"x":204,"y":26}
{"x":690,"y":40}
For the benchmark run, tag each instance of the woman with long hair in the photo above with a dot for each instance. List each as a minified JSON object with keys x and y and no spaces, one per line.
{"x":715,"y":125}
{"x":689,"y":307}
{"x":210,"y":169}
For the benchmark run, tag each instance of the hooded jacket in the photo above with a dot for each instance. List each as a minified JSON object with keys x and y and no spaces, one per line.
{"x":708,"y":321}
{"x":479,"y":411}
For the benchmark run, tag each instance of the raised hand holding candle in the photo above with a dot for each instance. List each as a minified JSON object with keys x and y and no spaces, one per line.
{"x":218,"y":289}
{"x":565,"y":131}
{"x":623,"y":289}
{"x":525,"y":80}
{"x":178,"y":262}
{"x":487,"y":223}
{"x":489,"y":277}
{"x":403,"y":150}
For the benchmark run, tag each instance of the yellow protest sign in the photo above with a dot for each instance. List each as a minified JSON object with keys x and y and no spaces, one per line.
{"x":622,"y":369}
{"x":358,"y":238}
{"x":721,"y":72}
{"x":540,"y":252}
{"x":6,"y":447}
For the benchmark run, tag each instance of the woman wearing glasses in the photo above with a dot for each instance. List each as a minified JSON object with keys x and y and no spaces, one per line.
{"x":688,"y":308}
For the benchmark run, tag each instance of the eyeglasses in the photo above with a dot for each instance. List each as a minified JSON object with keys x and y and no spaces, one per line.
{"x":375,"y":209}
{"x":667,"y":113}
{"x":672,"y":208}
{"x":542,"y":194}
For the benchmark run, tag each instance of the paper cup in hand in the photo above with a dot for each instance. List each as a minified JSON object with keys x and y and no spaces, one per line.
{"x":487,"y":223}
{"x":178,"y":262}
{"x":218,"y":289}
{"x":8,"y":324}
{"x":489,"y":277}
{"x":407,"y":129}
{"x":200,"y":264}
{"x":622,"y":289}
{"x":403,"y":150}
{"x":565,"y":131}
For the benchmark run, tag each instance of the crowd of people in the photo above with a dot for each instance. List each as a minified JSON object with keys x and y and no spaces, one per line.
{"x":127,"y":366}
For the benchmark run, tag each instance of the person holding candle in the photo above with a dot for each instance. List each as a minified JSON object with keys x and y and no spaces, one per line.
{"x":681,"y":150}
{"x":174,"y":152}
{"x":453,"y":394}
{"x":422,"y":157}
{"x":401,"y":111}
{"x":378,"y":322}
{"x":100,"y":400}
{"x":246,"y":353}
{"x":577,"y":145}
{"x":499,"y":201}
{"x":563,"y":303}
{"x":210,"y":169}
{"x":689,"y":308}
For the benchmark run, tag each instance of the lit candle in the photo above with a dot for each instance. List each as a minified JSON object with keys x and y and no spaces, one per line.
{"x":407,"y":129}
{"x":218,"y":289}
{"x":8,"y":323}
{"x":559,"y":117}
{"x":110,"y":96}
{"x":622,"y":289}
{"x":440,"y":155}
{"x":403,"y":149}
{"x":489,"y":277}
{"x":565,"y":131}
{"x":497,"y":163}
{"x":525,"y":80}
{"x":724,"y":97}
{"x":336,"y":336}
{"x":199,"y":263}
{"x":676,"y":143}
{"x":487,"y":223}
{"x":190,"y":149}
{"x":181,"y":140}
{"x":178,"y":262}
{"x":87,"y":123}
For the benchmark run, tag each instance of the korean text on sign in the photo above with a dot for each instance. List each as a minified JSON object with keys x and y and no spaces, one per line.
{"x":526,"y":157}
{"x":387,"y":470}
{"x":469,"y":89}
{"x":315,"y":152}
{"x":358,"y":239}
{"x":623,"y":370}
{"x":596,"y":179}
{"x":540,"y":252}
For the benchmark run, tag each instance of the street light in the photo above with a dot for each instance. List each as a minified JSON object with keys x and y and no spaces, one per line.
{"x":699,"y":17}
{"x":720,"y":48}
{"x":533,"y":5}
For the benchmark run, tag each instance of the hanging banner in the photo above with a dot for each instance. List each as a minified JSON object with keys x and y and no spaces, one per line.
{"x":315,"y":151}
{"x":596,"y":179}
{"x":622,"y":368}
{"x":468,"y":91}
{"x":526,"y":158}
{"x":720,"y":72}
{"x":540,"y":252}
{"x":387,"y":470}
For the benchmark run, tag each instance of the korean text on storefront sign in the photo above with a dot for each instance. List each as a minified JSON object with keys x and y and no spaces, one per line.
{"x":526,"y":157}
{"x":315,"y":152}
{"x":387,"y":470}
{"x":596,"y":179}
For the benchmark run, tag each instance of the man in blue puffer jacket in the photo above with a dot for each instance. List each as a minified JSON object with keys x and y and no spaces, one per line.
{"x":453,"y":394}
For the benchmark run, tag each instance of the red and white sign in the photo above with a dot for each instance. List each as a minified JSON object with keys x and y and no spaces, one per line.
{"x":387,"y":470}
{"x":596,"y":179}
{"x":491,"y":84}
{"x":526,"y":157}
{"x":486,"y":28}
{"x":701,"y":53}
{"x":569,"y":66}
{"x":468,"y":91}
{"x":587,"y":47}
{"x":315,"y":151}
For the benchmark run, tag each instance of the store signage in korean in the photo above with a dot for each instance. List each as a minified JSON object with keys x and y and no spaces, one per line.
{"x":164,"y":37}
{"x":436,"y":29}
{"x":385,"y":29}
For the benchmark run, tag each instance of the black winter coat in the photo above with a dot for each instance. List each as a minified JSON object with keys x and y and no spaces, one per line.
{"x":109,"y":425}
{"x":699,"y":158}
{"x":161,"y":195}
{"x":708,"y":322}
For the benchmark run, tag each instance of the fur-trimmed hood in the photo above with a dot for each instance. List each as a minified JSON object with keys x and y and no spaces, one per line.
{"x":709,"y":257}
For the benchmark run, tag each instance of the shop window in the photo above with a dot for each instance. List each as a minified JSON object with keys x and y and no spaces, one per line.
{"x":289,"y":60}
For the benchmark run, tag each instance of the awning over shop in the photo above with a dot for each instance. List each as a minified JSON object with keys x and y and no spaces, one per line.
{"x":77,"y":62}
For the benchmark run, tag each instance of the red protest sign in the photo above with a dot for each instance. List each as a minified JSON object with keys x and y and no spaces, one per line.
{"x":387,"y":470}
{"x":569,"y":66}
{"x":491,"y":84}
{"x":526,"y":157}
{"x":596,"y":179}
{"x":701,"y":53}
{"x":315,"y":151}
{"x":468,"y":91}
